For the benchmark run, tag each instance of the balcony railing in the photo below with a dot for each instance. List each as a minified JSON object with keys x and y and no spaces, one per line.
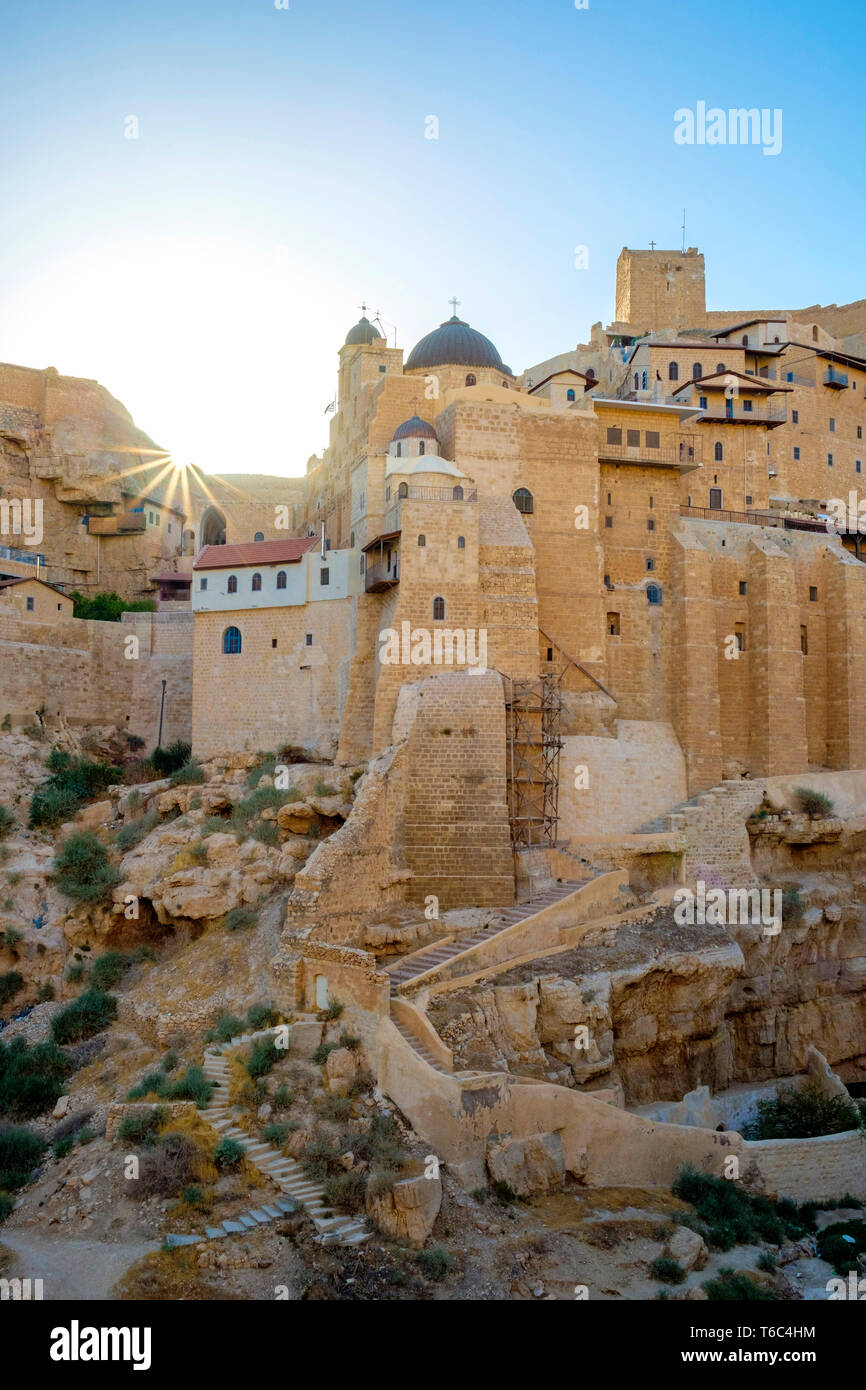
{"x":758,"y":415}
{"x":684,"y":456}
{"x":377,"y":578}
{"x":24,"y":557}
{"x":838,"y":380}
{"x":787,"y":523}
{"x":409,"y":492}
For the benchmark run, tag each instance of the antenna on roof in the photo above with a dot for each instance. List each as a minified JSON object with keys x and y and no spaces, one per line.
{"x":385,"y":327}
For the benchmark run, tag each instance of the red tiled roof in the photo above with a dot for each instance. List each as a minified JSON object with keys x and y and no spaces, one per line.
{"x":226,"y":557}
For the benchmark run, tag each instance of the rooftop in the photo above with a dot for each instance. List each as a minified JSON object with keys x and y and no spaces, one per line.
{"x":287,"y":552}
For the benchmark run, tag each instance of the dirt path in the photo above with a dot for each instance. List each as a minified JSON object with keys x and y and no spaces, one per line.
{"x":70,"y":1269}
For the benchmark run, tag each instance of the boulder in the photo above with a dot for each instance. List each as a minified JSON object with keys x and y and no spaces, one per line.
{"x":689,"y":1248}
{"x":92,"y":817}
{"x":341,"y":1069}
{"x":296,"y":816}
{"x":535,"y":1164}
{"x":306,"y":1037}
{"x":409,"y":1210}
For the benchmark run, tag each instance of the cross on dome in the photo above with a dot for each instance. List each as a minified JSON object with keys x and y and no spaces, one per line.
{"x":455,"y":304}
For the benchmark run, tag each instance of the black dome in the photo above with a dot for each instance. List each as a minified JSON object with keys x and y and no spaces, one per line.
{"x":455,"y":344}
{"x":416,"y":428}
{"x":363,"y":332}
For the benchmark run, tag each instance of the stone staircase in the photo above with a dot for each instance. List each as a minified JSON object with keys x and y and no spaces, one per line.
{"x":417,"y":1046}
{"x":667,"y":821}
{"x":409,"y":969}
{"x":287,"y":1173}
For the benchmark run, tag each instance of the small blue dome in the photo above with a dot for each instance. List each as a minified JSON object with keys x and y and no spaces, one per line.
{"x":416,"y":428}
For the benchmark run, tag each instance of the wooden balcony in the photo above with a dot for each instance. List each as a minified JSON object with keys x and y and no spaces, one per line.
{"x":378,"y":578}
{"x":837,"y":380}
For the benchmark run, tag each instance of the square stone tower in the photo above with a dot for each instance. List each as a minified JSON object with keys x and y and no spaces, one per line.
{"x":661,"y":290}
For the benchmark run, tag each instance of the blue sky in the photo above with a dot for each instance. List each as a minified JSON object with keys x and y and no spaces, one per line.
{"x":207,"y":271}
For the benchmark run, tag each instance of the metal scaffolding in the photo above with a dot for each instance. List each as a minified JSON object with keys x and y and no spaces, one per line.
{"x":533,"y":710}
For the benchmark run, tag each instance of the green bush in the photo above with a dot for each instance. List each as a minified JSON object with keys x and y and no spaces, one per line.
{"x":732,"y":1286}
{"x":267,"y":765}
{"x":840,"y":1253}
{"x":803,"y":1113}
{"x":7,"y":822}
{"x":52,"y":804}
{"x":108,"y":608}
{"x":275,"y":1134}
{"x":44,"y":994}
{"x":228,"y":1155}
{"x":335,"y":1107}
{"x":214,"y":825}
{"x":262,"y":799}
{"x":110,"y":969}
{"x":728,"y":1215}
{"x":88,"y":1014}
{"x":667,"y":1270}
{"x":188,"y":775}
{"x":193,"y":1196}
{"x":71,"y":783}
{"x":323,"y":1052}
{"x":321,"y":788}
{"x":767,"y":1262}
{"x":346,"y":1191}
{"x":172,"y":758}
{"x":240,"y":919}
{"x":261,"y":1016}
{"x":283,"y":1100}
{"x":153,"y":1083}
{"x":136,"y":830}
{"x":263,"y":1057}
{"x":20,"y":1152}
{"x":228,"y":1027}
{"x":31,"y":1078}
{"x":74,"y":971}
{"x":142,"y":1126}
{"x":350,"y":1041}
{"x":63,"y":1147}
{"x":813,"y":803}
{"x":10,"y":984}
{"x":334,"y":1009}
{"x":10,"y":937}
{"x":267,"y":832}
{"x":320,"y":1160}
{"x":82,"y":869}
{"x":190,"y":1085}
{"x":435,"y":1263}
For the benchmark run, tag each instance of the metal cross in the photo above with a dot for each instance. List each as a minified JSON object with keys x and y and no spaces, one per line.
{"x":455,"y":304}
{"x":652,"y":246}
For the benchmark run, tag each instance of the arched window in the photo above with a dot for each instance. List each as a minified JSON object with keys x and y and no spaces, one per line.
{"x":653,"y":593}
{"x":232,"y":586}
{"x":718,"y":452}
{"x":697,"y":371}
{"x":673,"y":372}
{"x":232,"y":641}
{"x":745,"y":340}
{"x":523,"y":501}
{"x":403,"y":490}
{"x":720,"y":366}
{"x":461,"y":542}
{"x":421,"y":446}
{"x":643,"y":381}
{"x":457,"y":493}
{"x":281,"y":579}
{"x":505,"y":384}
{"x":470,"y":379}
{"x":257,"y":583}
{"x":814,"y":334}
{"x":438,"y":609}
{"x":637,"y":381}
{"x":259,"y":536}
{"x":590,"y":374}
{"x":213,"y":527}
{"x":422,"y":541}
{"x":569,"y":395}
{"x":399,"y":451}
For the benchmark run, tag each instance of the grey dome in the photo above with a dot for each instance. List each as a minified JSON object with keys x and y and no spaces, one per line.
{"x":454,"y":343}
{"x":416,"y":428}
{"x":363,"y":332}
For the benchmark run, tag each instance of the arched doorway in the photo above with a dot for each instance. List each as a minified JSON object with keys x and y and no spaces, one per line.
{"x":213,"y":527}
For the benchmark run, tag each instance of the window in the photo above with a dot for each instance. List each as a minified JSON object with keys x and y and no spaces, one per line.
{"x":273,"y":641}
{"x":653,"y":594}
{"x":399,"y":450}
{"x":608,"y":499}
{"x":383,"y":367}
{"x":590,"y":373}
{"x":673,"y":372}
{"x":421,"y":447}
{"x":650,"y":501}
{"x":324,"y":577}
{"x":607,"y":583}
{"x":60,"y":607}
{"x":232,"y":641}
{"x":259,"y":536}
{"x":702,"y":402}
{"x":651,"y":439}
{"x":859,"y":431}
{"x":745,"y":340}
{"x":403,"y":490}
{"x":352,"y":534}
{"x":470,"y":379}
{"x":829,"y":460}
{"x":457,"y":493}
{"x":813,"y":594}
{"x":804,"y":641}
{"x":789,"y":376}
{"x":796,"y":451}
{"x":569,"y":395}
{"x":697,"y":371}
{"x":747,"y":405}
{"x":613,"y":624}
{"x":832,"y":425}
{"x":651,"y":526}
{"x":637,"y":381}
{"x":257,"y":584}
{"x":281,"y":579}
{"x":715,"y":499}
{"x":720,"y":366}
{"x":632,"y":439}
{"x":614,"y":434}
{"x":857,"y":467}
{"x":461,"y":542}
{"x":438,"y":610}
{"x":523,"y":501}
{"x":748,"y":499}
{"x":740,"y":639}
{"x":814,"y":335}
{"x":202,"y":584}
{"x":795,"y":417}
{"x":718,"y":452}
{"x":608,"y":521}
{"x":505,"y":385}
{"x":232,"y":586}
{"x":362,"y":501}
{"x":744,"y":588}
{"x":309,"y":639}
{"x":422,"y":540}
{"x":643,"y":380}
{"x":650,"y":563}
{"x":30,"y":603}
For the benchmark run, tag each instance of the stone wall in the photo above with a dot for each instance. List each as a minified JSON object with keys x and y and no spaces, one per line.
{"x":629,"y":779}
{"x":812,"y":1169}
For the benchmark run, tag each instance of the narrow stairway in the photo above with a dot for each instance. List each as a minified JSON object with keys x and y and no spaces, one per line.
{"x":423,"y":1052}
{"x":408,"y":970}
{"x":287,"y":1173}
